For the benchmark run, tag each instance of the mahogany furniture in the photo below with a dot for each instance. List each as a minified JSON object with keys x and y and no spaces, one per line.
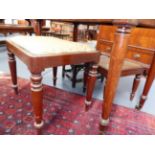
{"x":11,"y":28}
{"x":140,"y":49}
{"x":130,"y":67}
{"x":38,"y":53}
{"x":118,"y":53}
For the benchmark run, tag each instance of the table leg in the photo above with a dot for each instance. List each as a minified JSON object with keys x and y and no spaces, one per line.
{"x":13,"y":71}
{"x":148,"y":84}
{"x":37,"y":97}
{"x":38,"y":27}
{"x":91,"y":84}
{"x":75,"y":32}
{"x":116,"y":61}
{"x":54,"y":75}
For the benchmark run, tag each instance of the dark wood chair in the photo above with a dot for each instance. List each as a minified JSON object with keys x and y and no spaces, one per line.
{"x":130,"y":67}
{"x":138,"y":46}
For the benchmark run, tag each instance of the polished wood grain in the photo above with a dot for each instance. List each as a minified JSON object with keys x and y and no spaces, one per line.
{"x":141,"y":43}
{"x":118,"y":53}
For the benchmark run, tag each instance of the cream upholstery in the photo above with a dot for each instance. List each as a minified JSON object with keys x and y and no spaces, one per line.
{"x":128,"y":64}
{"x":43,"y":45}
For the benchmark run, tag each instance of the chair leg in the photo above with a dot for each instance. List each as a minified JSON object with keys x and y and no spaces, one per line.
{"x":13,"y":71}
{"x":102,"y":78}
{"x":54,"y":75}
{"x":148,"y":84}
{"x":37,"y":98}
{"x":86,"y":71}
{"x":74,"y":76}
{"x":91,"y":84}
{"x":63,"y":71}
{"x":135,"y":86}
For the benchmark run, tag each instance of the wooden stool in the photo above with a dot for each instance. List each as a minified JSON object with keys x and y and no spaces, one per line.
{"x":38,"y":53}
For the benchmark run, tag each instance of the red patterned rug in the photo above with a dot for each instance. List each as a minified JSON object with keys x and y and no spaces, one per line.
{"x":64,"y":113}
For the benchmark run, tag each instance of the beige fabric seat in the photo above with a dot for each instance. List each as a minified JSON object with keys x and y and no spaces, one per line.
{"x":43,"y":45}
{"x":128,"y":64}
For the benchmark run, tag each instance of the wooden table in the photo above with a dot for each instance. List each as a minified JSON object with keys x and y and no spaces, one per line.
{"x":12,"y":28}
{"x":118,"y":53}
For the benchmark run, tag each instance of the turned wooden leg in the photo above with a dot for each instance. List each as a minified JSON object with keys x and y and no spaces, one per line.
{"x":37,"y":98}
{"x":74,"y":71}
{"x":91,"y":84}
{"x":54,"y":75}
{"x":86,"y":71}
{"x":148,"y":84}
{"x":118,"y":53}
{"x":63,"y":71}
{"x":75,"y":32}
{"x":136,"y":83}
{"x":13,"y":71}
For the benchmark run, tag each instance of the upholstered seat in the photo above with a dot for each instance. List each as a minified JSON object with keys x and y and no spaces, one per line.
{"x":128,"y":64}
{"x":43,"y":45}
{"x":39,"y":53}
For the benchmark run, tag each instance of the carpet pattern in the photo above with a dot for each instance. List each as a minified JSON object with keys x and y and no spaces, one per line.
{"x":64,"y":114}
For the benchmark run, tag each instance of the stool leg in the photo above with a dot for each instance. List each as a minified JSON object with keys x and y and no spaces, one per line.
{"x":63,"y":71}
{"x":86,"y":71}
{"x":135,"y":86}
{"x":74,"y":76}
{"x":91,"y":84}
{"x":54,"y":75}
{"x":13,"y":71}
{"x":37,"y":97}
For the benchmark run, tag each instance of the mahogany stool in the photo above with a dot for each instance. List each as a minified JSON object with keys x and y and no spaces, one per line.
{"x":40,"y":52}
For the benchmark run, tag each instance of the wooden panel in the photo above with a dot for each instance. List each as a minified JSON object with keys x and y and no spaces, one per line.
{"x":141,"y":44}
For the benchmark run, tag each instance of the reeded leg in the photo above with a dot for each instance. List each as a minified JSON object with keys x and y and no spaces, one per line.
{"x":91,"y":84}
{"x":37,"y":98}
{"x":116,"y":61}
{"x":86,"y":71}
{"x":54,"y":75}
{"x":148,"y":84}
{"x":13,"y":71}
{"x":74,"y":71}
{"x":136,"y":83}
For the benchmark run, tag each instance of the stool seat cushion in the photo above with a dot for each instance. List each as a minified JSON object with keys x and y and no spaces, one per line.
{"x":128,"y":64}
{"x":44,"y":45}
